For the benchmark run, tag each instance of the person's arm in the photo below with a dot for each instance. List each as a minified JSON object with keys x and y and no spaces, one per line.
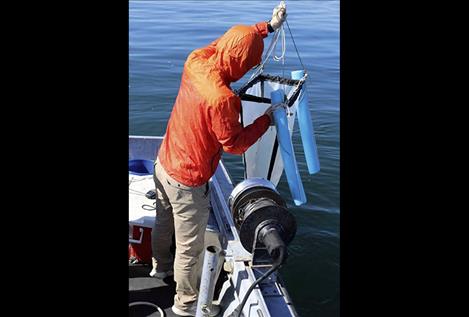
{"x":235,"y":138}
{"x":263,"y":28}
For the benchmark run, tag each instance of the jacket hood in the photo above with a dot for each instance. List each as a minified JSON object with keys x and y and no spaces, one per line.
{"x":237,"y":51}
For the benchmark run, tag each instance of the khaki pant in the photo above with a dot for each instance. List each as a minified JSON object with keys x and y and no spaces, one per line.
{"x":183,"y":210}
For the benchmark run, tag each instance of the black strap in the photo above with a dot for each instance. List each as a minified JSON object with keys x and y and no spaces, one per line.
{"x":280,"y":80}
{"x":248,"y":85}
{"x":264,"y":77}
{"x":293,"y":98}
{"x":269,"y":27}
{"x":244,"y":155}
{"x":272,"y":159}
{"x":247,"y":97}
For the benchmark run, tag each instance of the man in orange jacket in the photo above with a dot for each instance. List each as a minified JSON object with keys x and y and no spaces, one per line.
{"x":203,"y":123}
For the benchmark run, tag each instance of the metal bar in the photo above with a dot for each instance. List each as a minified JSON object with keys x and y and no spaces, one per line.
{"x":207,"y":282}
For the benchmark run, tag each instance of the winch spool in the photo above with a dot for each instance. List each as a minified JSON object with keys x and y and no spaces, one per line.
{"x":257,"y":209}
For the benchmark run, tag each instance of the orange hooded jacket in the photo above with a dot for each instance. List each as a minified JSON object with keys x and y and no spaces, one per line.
{"x":205,"y":117}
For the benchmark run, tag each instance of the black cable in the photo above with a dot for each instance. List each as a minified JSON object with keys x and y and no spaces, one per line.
{"x":279,"y":261}
{"x":296,"y":49}
{"x":148,"y":207}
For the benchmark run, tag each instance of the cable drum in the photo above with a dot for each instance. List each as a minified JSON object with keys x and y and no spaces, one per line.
{"x":254,"y":203}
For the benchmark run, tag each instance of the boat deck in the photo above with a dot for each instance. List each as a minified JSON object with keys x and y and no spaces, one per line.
{"x":269,"y":299}
{"x":143,"y":288}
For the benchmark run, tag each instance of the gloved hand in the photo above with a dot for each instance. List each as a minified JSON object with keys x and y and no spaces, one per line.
{"x":270,"y":111}
{"x":278,"y":16}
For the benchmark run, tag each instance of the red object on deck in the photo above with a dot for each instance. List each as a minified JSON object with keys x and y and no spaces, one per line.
{"x":140,"y":253}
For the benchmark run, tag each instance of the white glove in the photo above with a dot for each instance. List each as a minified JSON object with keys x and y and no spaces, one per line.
{"x":270,"y":111}
{"x":279,"y":16}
